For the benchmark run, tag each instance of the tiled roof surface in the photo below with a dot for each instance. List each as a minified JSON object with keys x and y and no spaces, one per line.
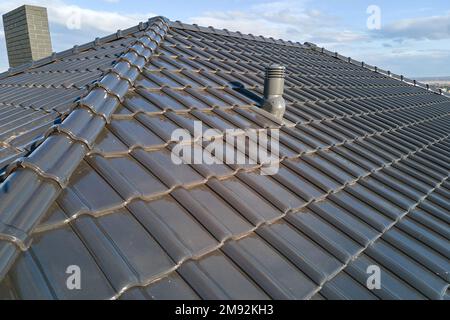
{"x":363,"y":180}
{"x":36,"y":96}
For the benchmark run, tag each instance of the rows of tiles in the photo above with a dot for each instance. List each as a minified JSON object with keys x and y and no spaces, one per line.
{"x":125,"y":154}
{"x":251,"y":60}
{"x":189,"y":232}
{"x":32,"y":101}
{"x":142,"y":185}
{"x":57,"y":164}
{"x":191,"y":98}
{"x":149,"y":132}
{"x":410,"y":270}
{"x":131,"y":218}
{"x":129,"y":143}
{"x":71,"y":70}
{"x":202,"y":80}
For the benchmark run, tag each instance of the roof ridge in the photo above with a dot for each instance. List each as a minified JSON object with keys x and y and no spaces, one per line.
{"x":46,"y":177}
{"x":236,"y":34}
{"x":387,"y":73}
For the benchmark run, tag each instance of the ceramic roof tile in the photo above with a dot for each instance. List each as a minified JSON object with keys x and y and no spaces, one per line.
{"x":174,"y":227}
{"x":51,"y":88}
{"x":307,"y":255}
{"x":392,"y":287}
{"x":363,"y":174}
{"x":118,"y":241}
{"x":217,"y":277}
{"x":345,"y":287}
{"x":273,"y":272}
{"x":48,"y":266}
{"x":169,"y":288}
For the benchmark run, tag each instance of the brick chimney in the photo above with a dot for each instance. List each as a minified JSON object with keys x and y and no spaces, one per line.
{"x":27,"y":34}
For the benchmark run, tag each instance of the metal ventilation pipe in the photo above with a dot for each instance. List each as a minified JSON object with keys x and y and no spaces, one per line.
{"x":273,"y":90}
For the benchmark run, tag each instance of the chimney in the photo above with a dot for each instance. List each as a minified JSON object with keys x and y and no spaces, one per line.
{"x":273,"y":90}
{"x":27,"y":34}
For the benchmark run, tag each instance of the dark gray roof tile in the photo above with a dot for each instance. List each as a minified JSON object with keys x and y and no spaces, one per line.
{"x":252,"y":206}
{"x":388,"y":193}
{"x":134,"y":293}
{"x":130,"y":240}
{"x":8,"y":154}
{"x":392,"y":287}
{"x":376,"y":201}
{"x":434,"y":261}
{"x":128,"y":177}
{"x":325,"y":234}
{"x":109,"y":144}
{"x":9,"y":251}
{"x":362,"y":177}
{"x":219,"y":218}
{"x":171,"y":174}
{"x":421,"y":219}
{"x":174,"y":228}
{"x":308,"y":256}
{"x":217,"y":277}
{"x":22,"y":216}
{"x":88,"y":193}
{"x":135,"y":134}
{"x":171,"y":287}
{"x":406,"y":268}
{"x":106,"y":252}
{"x":313,"y":175}
{"x":25,"y":282}
{"x":346,"y":288}
{"x":55,"y":217}
{"x":50,"y":258}
{"x":271,"y":271}
{"x":297,"y":184}
{"x":440,"y":200}
{"x":346,"y":220}
{"x":275,"y":193}
{"x":362,"y":210}
{"x":435,"y":210}
{"x":332,"y":164}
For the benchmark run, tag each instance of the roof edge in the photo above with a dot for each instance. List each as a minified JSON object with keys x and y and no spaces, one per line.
{"x":21,"y":211}
{"x":387,"y":73}
{"x":236,"y":34}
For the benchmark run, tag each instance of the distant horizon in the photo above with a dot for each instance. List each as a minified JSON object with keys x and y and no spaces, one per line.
{"x":434,"y":78}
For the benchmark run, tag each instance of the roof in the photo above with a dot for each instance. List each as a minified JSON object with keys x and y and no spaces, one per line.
{"x":37,"y":95}
{"x":363,"y":175}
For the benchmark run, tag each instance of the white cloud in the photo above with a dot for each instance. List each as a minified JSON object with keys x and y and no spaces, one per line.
{"x":420,"y":54}
{"x":423,"y":28}
{"x":72,"y":24}
{"x":287,"y":19}
{"x":99,"y":20}
{"x":61,"y":13}
{"x":404,"y":46}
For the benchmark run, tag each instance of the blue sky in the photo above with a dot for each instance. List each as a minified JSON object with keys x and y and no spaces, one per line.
{"x":413,"y":37}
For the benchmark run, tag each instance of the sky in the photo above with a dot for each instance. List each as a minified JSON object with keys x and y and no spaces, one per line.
{"x":407,"y":37}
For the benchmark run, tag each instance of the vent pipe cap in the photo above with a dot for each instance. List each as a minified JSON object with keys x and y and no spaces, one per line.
{"x":273,"y":90}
